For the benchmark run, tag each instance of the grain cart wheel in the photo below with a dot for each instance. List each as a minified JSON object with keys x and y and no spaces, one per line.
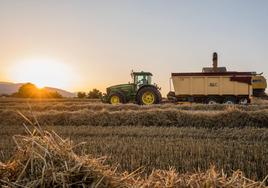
{"x":243,"y":101}
{"x":148,"y":96}
{"x":211,"y":101}
{"x":229,"y":100}
{"x":116,"y":98}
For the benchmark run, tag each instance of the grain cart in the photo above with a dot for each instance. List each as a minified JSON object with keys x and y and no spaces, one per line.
{"x":140,"y":90}
{"x":217,"y":85}
{"x":212,"y":88}
{"x":212,"y":85}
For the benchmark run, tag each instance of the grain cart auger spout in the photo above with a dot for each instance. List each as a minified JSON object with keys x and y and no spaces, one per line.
{"x":140,"y":91}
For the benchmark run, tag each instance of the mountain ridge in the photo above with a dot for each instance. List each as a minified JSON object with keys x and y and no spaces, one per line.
{"x":8,"y":88}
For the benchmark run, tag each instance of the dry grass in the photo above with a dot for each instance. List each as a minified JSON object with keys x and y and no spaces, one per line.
{"x":88,"y":112}
{"x":76,"y":105}
{"x":187,"y":148}
{"x":189,"y":137}
{"x":153,"y":117}
{"x":44,"y":159}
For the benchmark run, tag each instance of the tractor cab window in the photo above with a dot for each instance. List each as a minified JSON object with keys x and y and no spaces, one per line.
{"x":142,"y":79}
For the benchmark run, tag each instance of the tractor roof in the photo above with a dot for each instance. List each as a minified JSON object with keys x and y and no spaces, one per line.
{"x":142,"y":73}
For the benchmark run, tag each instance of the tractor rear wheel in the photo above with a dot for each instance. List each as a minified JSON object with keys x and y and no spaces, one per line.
{"x":116,"y":98}
{"x":148,"y":96}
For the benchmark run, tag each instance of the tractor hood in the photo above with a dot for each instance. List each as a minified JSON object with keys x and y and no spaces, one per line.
{"x":119,"y":86}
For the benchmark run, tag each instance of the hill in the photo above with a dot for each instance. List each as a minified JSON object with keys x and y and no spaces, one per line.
{"x":61,"y":92}
{"x":8,"y":88}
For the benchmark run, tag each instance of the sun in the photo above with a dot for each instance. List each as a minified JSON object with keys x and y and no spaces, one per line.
{"x":42,"y":72}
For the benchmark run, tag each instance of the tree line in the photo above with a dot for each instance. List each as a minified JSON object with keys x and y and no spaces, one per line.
{"x":30,"y":90}
{"x":93,"y":94}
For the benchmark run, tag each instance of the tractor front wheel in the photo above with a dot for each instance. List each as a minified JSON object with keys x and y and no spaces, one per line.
{"x":148,"y":96}
{"x":116,"y":98}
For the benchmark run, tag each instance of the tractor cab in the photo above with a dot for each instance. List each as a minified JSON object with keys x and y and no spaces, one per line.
{"x":141,"y":78}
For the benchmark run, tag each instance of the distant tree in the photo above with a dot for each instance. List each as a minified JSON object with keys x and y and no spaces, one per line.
{"x":29,"y":90}
{"x":81,"y":95}
{"x":4,"y":95}
{"x":55,"y":95}
{"x":94,"y":94}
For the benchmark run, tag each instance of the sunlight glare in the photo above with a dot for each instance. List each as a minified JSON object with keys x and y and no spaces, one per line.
{"x":42,"y":72}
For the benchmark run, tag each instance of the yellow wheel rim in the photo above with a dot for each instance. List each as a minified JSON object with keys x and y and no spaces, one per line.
{"x":115,"y":100}
{"x":148,"y":98}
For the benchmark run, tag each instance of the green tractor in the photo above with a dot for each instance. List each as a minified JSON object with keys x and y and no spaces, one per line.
{"x":140,"y":91}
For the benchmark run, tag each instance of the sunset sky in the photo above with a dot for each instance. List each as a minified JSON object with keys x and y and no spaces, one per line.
{"x":82,"y":44}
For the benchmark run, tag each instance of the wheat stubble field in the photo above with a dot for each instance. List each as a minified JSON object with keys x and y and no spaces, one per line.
{"x":189,"y":138}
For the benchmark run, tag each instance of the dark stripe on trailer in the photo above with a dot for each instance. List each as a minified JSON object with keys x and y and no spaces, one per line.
{"x":246,"y":80}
